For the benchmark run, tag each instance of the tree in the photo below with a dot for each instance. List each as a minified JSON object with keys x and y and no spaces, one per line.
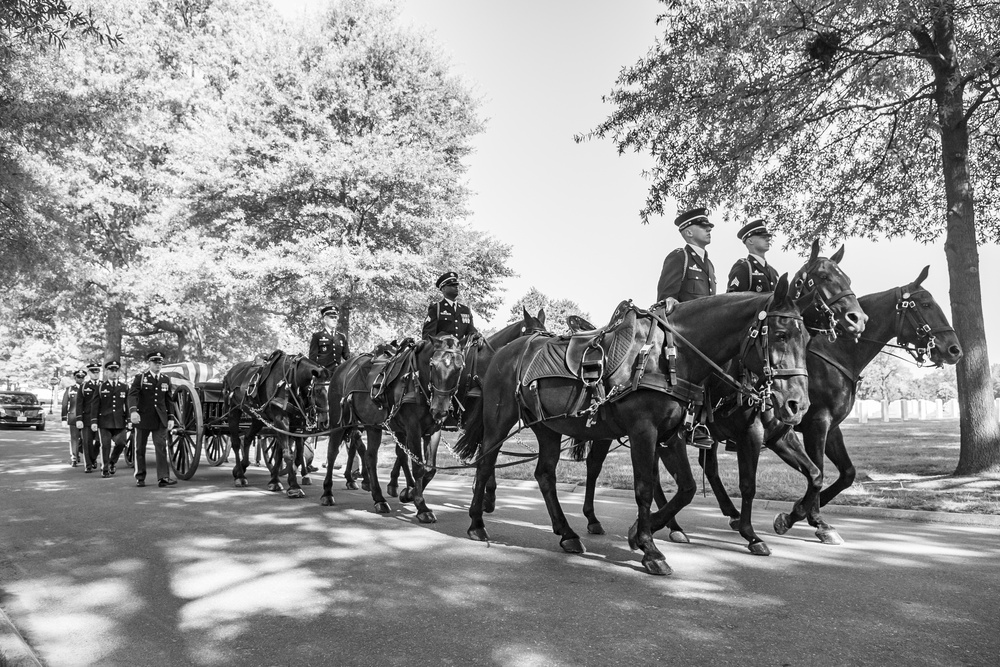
{"x":884,"y":379}
{"x":556,"y":310}
{"x":839,"y":118}
{"x":49,"y":22}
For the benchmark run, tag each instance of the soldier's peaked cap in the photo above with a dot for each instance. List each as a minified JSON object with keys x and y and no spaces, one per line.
{"x":112,"y":365}
{"x":327,"y":309}
{"x":753,"y":228}
{"x":94,"y":366}
{"x":80,"y":374}
{"x":448,"y":278}
{"x":696,"y":216}
{"x":154,"y":356}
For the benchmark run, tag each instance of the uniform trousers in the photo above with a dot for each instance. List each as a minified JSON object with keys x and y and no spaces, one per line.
{"x":159,"y":446}
{"x":91,"y":446}
{"x":75,"y":443}
{"x":109,"y":436}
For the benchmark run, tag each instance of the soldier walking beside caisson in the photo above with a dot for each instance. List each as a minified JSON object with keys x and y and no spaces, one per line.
{"x":84,"y":421}
{"x":69,"y":399}
{"x":753,"y":273}
{"x":111,"y":414}
{"x":148,"y":399}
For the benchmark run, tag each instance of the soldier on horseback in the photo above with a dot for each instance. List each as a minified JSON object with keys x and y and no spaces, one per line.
{"x":329,"y":349}
{"x":753,"y":273}
{"x":447,"y":315}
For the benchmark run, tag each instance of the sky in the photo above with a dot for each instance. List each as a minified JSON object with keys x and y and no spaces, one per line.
{"x":570,"y":211}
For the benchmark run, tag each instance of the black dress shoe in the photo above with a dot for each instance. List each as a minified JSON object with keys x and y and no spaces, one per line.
{"x":89,"y":469}
{"x":112,"y":469}
{"x":73,"y":463}
{"x":140,"y":482}
{"x":105,"y":474}
{"x":166,"y":481}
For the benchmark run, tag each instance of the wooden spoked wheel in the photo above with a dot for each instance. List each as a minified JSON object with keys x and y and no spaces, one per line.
{"x":217,"y":447}
{"x":268,"y":451}
{"x":184,"y":441}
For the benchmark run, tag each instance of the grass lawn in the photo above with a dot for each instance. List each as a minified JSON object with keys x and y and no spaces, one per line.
{"x":905,"y":465}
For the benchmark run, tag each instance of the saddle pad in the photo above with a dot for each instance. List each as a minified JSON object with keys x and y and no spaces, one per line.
{"x":548,"y":360}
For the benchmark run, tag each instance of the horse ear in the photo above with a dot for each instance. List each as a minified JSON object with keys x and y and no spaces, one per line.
{"x":541,"y":315}
{"x":815,"y":250}
{"x":781,"y":289}
{"x":837,"y":256}
{"x":526,"y":315}
{"x":922,"y":276}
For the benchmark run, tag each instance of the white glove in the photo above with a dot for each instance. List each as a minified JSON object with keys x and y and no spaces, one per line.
{"x":79,"y":423}
{"x":93,"y":427}
{"x":134,"y":417}
{"x":170,"y":424}
{"x":669,"y":304}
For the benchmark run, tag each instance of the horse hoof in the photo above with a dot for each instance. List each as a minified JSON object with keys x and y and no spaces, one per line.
{"x":406,"y":495}
{"x":427,"y":517}
{"x":295,"y":493}
{"x":238,"y":483}
{"x":244,"y":482}
{"x":327,"y":501}
{"x":352,"y":485}
{"x":382,"y":508}
{"x":489,"y":504}
{"x":572,"y":545}
{"x":759,"y":549}
{"x":595,"y":528}
{"x":275,"y":487}
{"x":365,"y":486}
{"x":306,"y":481}
{"x":735,"y":524}
{"x":782,"y":524}
{"x":680,"y":537}
{"x":657,"y":566}
{"x":633,"y":530}
{"x":830,"y":536}
{"x":478,"y":534}
{"x":392,"y":490}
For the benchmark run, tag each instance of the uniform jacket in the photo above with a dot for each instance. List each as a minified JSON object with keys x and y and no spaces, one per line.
{"x":443,"y":318}
{"x":85,"y":400}
{"x":685,"y":276}
{"x":110,"y":409}
{"x":328,"y":349}
{"x":149,"y":395}
{"x":749,"y":275}
{"x":69,"y":402}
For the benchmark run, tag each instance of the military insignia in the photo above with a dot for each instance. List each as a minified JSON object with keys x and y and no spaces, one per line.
{"x":758,"y":288}
{"x":465,"y":318}
{"x":695,"y":268}
{"x":735,"y":283}
{"x":165,"y":386}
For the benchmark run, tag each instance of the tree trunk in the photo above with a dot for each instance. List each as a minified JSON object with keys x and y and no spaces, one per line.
{"x":113,"y":332}
{"x":980,"y":440}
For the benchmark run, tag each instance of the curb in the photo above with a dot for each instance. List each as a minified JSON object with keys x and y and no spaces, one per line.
{"x":916,"y":516}
{"x":14,"y":651}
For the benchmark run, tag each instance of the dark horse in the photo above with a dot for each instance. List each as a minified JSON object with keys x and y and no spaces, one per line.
{"x":285,"y":392}
{"x":910,"y":315}
{"x":721,"y":327}
{"x":417,"y":395}
{"x":829,"y":305}
{"x":470,"y":389}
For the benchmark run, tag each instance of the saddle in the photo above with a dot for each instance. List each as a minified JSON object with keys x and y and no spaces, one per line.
{"x":259,"y":369}
{"x":387,"y":368}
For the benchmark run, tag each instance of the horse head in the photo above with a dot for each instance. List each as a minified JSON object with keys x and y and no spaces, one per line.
{"x":444,"y":372}
{"x":922,"y":327}
{"x":823,"y":292}
{"x":777,"y":355}
{"x":315,"y":380}
{"x":530,"y":325}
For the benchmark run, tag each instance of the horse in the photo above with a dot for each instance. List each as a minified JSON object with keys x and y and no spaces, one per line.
{"x":829,"y":306}
{"x":477,"y":359}
{"x":653,"y":384}
{"x":282,"y":392}
{"x":415,"y":393}
{"x":907,"y":313}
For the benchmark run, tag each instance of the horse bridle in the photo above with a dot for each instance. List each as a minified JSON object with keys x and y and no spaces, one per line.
{"x":907,"y":312}
{"x":451,"y":392}
{"x":313,"y":412}
{"x":822,"y":303}
{"x":756,"y":340}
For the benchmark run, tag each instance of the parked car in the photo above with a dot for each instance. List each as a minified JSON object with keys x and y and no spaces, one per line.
{"x":21,"y":408}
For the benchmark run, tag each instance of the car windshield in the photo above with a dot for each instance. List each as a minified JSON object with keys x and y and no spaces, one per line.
{"x":22,"y":399}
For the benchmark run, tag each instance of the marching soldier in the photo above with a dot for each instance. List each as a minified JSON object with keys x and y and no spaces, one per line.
{"x":111,"y":414}
{"x":147,"y":400}
{"x":84,"y":421}
{"x":753,"y":273}
{"x":447,"y":315}
{"x":328,"y":347}
{"x":687,"y":272}
{"x":69,"y":409}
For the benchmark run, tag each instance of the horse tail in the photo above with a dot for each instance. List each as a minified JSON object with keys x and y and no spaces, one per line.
{"x":472,"y":437}
{"x":579,"y":450}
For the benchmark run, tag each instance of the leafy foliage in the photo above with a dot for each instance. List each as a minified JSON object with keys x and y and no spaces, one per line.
{"x":556,"y":310}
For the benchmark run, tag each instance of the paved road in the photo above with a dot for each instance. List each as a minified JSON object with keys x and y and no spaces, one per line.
{"x":98,"y":572}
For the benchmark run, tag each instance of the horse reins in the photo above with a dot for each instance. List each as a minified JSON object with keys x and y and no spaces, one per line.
{"x":906,"y":311}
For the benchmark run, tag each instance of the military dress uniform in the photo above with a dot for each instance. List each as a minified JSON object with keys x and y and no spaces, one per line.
{"x":327,"y":349}
{"x":451,"y":318}
{"x":149,"y":396}
{"x":750,"y":274}
{"x":111,"y":414}
{"x":69,"y":410}
{"x":85,"y":420}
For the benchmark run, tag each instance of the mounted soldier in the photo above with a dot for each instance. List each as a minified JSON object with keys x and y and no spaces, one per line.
{"x":753,"y":273}
{"x":447,"y":315}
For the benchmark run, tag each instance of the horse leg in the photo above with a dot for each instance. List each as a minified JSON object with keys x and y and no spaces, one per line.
{"x":233,"y":422}
{"x":331,"y":455}
{"x":789,"y":448}
{"x":708,"y":459}
{"x":814,"y":436}
{"x":371,"y":467}
{"x":422,"y":474}
{"x":362,"y":451}
{"x":496,"y":425}
{"x":595,"y":463}
{"x":392,"y":488}
{"x":837,"y":453}
{"x":406,"y":495}
{"x":300,"y":461}
{"x":748,"y":447}
{"x":352,"y":454}
{"x":643,"y":438}
{"x":279,"y":454}
{"x":666,"y":455}
{"x":549,"y":443}
{"x":292,"y":453}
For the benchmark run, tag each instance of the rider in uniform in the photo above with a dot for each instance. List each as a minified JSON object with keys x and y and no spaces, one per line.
{"x":84,"y":421}
{"x":148,"y":398}
{"x":69,"y":399}
{"x":329,"y":349}
{"x":688,"y":274}
{"x":753,"y":273}
{"x":447,"y":315}
{"x":111,"y":414}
